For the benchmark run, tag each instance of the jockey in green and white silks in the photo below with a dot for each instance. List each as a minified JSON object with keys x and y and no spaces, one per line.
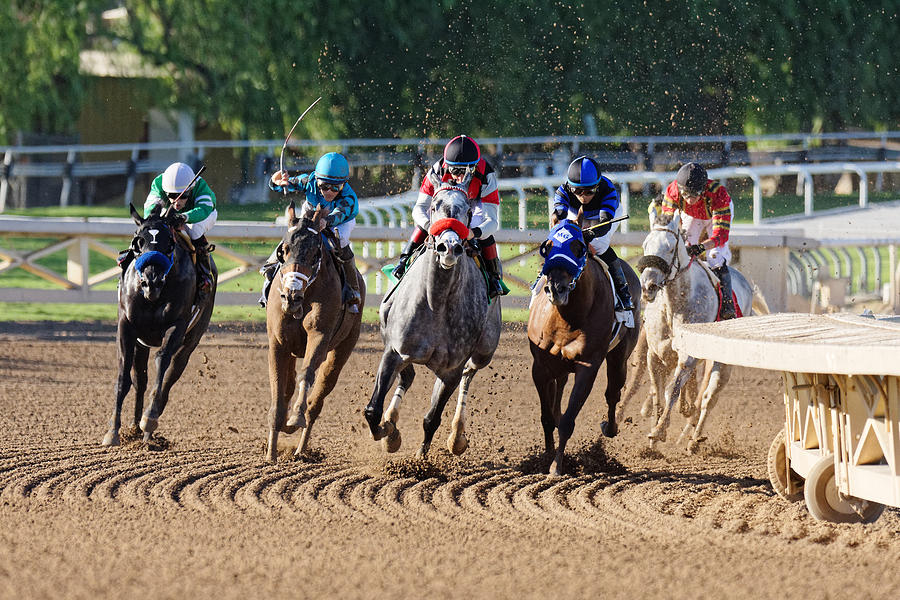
{"x":196,"y":203}
{"x":326,"y":186}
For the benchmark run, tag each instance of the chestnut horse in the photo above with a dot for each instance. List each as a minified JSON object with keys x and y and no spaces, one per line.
{"x":572,"y":328}
{"x":306,"y":319}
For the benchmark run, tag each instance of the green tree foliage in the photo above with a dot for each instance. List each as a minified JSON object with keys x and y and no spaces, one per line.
{"x":487,"y":67}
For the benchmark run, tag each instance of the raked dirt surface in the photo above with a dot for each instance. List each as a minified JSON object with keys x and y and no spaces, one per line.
{"x":199,"y":514}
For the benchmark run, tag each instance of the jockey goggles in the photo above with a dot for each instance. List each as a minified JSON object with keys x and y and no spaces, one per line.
{"x":327,"y":186}
{"x":584,"y":191}
{"x":458,"y":170}
{"x":686,"y":193}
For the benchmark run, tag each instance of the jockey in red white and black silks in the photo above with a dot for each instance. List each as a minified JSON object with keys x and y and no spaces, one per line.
{"x":462,"y":166}
{"x":706,"y":210}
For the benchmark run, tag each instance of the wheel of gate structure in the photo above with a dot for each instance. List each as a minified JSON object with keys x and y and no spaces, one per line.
{"x":824,"y":502}
{"x":779,"y":470}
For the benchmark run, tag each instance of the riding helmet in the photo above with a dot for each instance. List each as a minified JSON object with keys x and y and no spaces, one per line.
{"x":333,"y":167}
{"x":692,"y":177}
{"x":177,"y":178}
{"x":583,"y":172}
{"x":462,"y":151}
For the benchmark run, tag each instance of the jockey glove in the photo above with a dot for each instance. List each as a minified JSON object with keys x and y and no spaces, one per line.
{"x":696,"y":249}
{"x":595,"y":231}
{"x":180,"y":220}
{"x":476,"y":233}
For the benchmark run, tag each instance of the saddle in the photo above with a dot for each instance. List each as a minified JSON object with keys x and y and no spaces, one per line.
{"x":714,"y":280}
{"x":622,"y":316}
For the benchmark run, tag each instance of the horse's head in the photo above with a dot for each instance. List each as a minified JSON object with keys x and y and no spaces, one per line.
{"x":154,"y":250}
{"x":300,"y":254}
{"x":450,"y":213}
{"x":664,"y":252}
{"x":565,"y":255}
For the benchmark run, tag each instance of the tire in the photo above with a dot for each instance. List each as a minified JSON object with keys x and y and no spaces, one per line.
{"x":778,"y":470}
{"x":823,"y":501}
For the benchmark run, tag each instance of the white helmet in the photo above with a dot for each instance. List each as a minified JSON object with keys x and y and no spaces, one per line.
{"x":177,"y":178}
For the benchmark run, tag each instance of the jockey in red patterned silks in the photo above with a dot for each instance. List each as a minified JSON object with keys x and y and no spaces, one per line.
{"x":462,"y":166}
{"x":585,"y":188}
{"x":706,"y":210}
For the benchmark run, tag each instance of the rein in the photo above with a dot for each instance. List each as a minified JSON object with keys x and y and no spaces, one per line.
{"x":658,"y":262}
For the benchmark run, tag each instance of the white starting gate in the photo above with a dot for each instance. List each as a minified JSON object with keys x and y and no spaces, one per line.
{"x":840,"y":447}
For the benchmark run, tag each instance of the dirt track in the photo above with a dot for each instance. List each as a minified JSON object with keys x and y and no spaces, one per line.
{"x":200,"y":514}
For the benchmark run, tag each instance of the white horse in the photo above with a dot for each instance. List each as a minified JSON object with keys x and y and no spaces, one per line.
{"x":687,"y":294}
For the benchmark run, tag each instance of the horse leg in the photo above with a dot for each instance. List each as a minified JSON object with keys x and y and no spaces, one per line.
{"x":581,"y":388}
{"x":682,"y":373}
{"x":657,"y":369}
{"x":616,"y":375}
{"x":171,"y":375}
{"x":316,"y":351}
{"x":546,"y":389}
{"x":691,"y":398}
{"x":458,"y":442}
{"x":443,"y":388}
{"x":281,"y":376}
{"x":126,"y":339}
{"x":141,"y":356}
{"x":635,"y":375}
{"x":328,"y":371}
{"x":718,"y":376}
{"x":164,"y":358}
{"x":392,"y":442}
{"x":387,"y":370}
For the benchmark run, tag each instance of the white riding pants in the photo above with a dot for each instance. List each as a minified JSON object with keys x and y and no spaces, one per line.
{"x":196,"y":230}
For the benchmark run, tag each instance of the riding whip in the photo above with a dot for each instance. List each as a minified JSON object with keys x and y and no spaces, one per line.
{"x":610,"y":222}
{"x":177,"y":198}
{"x":316,"y":101}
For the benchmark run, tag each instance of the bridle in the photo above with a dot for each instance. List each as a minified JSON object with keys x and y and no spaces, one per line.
{"x":671,"y":269}
{"x":296,"y":280}
{"x":141,"y":259}
{"x":436,"y":228}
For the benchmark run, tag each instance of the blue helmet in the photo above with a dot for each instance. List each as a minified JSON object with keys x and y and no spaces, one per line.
{"x":583,"y":172}
{"x":333,"y":167}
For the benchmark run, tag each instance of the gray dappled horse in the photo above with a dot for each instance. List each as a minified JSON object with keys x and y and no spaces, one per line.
{"x":573,"y":329}
{"x":157,"y":292}
{"x":306,"y":319}
{"x":439,"y":316}
{"x":678,"y":289}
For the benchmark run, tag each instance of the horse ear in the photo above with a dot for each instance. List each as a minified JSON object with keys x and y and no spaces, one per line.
{"x":135,"y":215}
{"x":290,"y":213}
{"x":577,"y":247}
{"x":319,"y":217}
{"x":545,"y":248}
{"x":580,"y":218}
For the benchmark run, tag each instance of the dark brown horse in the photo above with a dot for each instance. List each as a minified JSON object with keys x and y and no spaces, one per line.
{"x":306,"y":319}
{"x":573,"y":328}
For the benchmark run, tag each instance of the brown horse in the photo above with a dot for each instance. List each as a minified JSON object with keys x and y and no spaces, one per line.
{"x":306,"y":319}
{"x":573,"y":328}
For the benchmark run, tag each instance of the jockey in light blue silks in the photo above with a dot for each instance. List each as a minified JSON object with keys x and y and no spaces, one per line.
{"x":327,"y":186}
{"x":585,"y":188}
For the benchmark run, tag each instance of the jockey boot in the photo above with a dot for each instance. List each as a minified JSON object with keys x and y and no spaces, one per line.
{"x":495,"y":274}
{"x":403,"y":259}
{"x":268,"y":270}
{"x":725,"y":284}
{"x":204,"y":269}
{"x":350,"y":294}
{"x":622,"y":291}
{"x":125,"y":258}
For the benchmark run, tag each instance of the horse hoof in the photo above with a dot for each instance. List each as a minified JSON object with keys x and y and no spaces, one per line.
{"x":457,"y":444}
{"x":609,"y":429}
{"x":391,"y":443}
{"x":386,"y":429}
{"x":110,"y":439}
{"x":555,"y":469}
{"x":693,"y":446}
{"x":423,"y":450}
{"x":148,"y":426}
{"x":147,"y":436}
{"x":295,"y":421}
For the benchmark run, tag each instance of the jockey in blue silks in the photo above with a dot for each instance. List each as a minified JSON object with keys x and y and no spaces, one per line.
{"x":586,"y":189}
{"x":326,"y":186}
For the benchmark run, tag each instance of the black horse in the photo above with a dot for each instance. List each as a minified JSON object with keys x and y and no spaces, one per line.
{"x":157,"y":296}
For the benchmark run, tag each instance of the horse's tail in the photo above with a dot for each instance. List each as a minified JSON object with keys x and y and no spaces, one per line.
{"x":759,"y":306}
